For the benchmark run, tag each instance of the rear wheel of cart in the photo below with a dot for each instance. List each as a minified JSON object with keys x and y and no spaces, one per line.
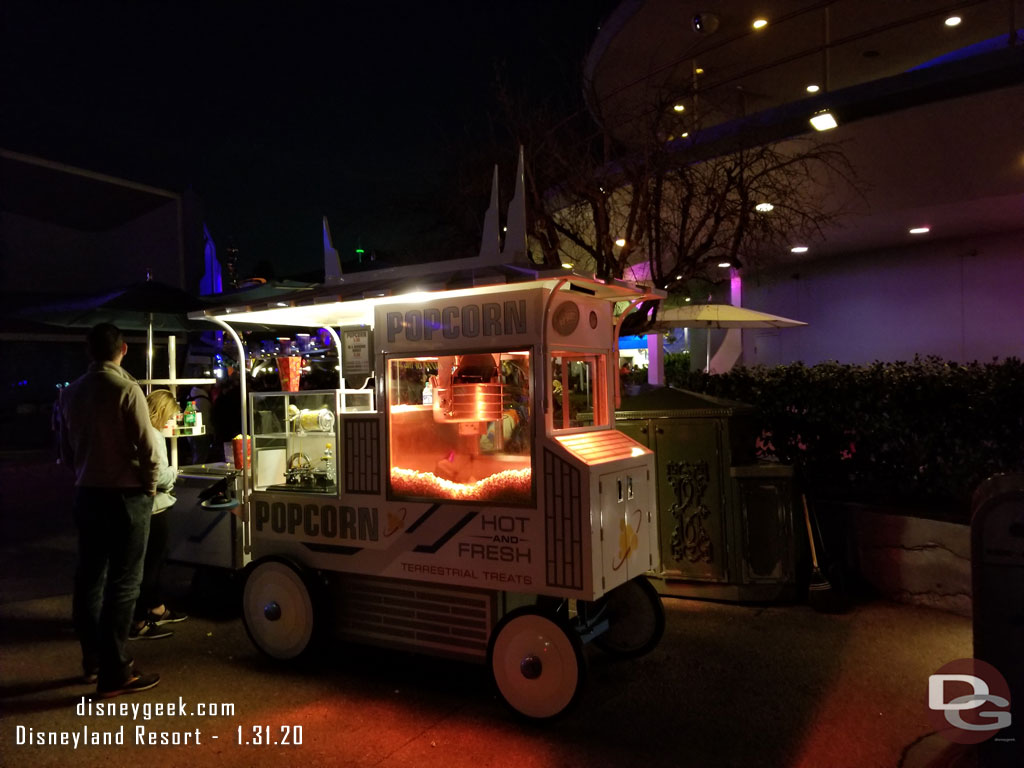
{"x":537,"y":663}
{"x":636,"y":619}
{"x":278,"y":609}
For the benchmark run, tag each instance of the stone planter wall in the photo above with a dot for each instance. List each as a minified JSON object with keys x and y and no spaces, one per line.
{"x":911,"y":559}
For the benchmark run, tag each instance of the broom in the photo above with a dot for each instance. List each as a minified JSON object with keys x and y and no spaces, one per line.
{"x":821,"y":595}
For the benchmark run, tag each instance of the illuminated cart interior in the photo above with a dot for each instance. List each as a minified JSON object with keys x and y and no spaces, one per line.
{"x":471,"y":497}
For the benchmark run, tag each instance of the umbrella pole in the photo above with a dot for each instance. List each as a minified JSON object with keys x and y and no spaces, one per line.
{"x":149,"y":353}
{"x":707,"y":344}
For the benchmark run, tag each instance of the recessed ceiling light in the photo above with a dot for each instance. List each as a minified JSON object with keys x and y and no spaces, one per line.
{"x":724,"y":264}
{"x":824,"y":121}
{"x":760,"y":23}
{"x":812,"y":88}
{"x":920,"y":230}
{"x":620,"y":242}
{"x":798,"y":249}
{"x":679,"y":107}
{"x":764,"y":207}
{"x":953,"y":21}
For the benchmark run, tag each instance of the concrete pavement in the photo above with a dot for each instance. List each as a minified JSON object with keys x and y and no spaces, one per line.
{"x":729,"y":685}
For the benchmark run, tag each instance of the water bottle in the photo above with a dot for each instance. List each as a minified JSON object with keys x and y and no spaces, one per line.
{"x":327,"y":464}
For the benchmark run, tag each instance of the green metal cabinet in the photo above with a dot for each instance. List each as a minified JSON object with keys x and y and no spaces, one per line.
{"x":726,"y":522}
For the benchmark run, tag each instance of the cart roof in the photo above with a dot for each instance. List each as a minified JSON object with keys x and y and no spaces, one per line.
{"x":351,"y":301}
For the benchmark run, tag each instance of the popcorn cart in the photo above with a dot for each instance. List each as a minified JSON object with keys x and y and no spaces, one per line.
{"x":467,"y":494}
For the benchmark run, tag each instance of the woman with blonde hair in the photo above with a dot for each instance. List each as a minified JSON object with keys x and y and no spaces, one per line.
{"x":150,"y":612}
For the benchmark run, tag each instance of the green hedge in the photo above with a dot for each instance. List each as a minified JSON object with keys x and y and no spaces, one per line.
{"x":918,"y":434}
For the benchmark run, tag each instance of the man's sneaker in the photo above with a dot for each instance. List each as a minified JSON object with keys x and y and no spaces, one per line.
{"x":167,"y":617}
{"x":137,"y":682}
{"x":148,"y":631}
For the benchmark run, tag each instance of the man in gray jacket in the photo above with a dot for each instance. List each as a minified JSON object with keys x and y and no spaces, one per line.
{"x":107,"y":440}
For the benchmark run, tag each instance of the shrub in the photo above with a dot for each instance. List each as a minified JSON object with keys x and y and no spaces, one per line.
{"x":923,"y":433}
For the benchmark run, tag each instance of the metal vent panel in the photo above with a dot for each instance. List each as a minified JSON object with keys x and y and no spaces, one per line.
{"x":563,"y":534}
{"x":362,"y":455}
{"x":446,"y":620}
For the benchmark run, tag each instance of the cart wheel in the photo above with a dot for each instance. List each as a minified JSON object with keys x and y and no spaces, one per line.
{"x":636,"y":619}
{"x":277,"y":609}
{"x":537,"y":663}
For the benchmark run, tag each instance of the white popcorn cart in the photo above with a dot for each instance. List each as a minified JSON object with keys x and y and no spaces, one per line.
{"x":463,"y":491}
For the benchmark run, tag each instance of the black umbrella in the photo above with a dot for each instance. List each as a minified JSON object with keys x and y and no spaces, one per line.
{"x":148,"y":306}
{"x":137,"y":307}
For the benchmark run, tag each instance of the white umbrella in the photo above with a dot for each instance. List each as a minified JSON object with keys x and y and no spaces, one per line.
{"x":719,"y":316}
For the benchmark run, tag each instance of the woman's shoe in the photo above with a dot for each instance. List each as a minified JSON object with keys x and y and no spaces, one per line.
{"x":167,"y":617}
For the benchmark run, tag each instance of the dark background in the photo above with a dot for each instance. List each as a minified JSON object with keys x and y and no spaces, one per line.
{"x":379,"y":115}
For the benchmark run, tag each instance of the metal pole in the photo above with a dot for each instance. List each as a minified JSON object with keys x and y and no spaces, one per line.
{"x":172,"y":374}
{"x":707,"y":365}
{"x":246,"y":536}
{"x":149,"y":353}
{"x":337,"y":346}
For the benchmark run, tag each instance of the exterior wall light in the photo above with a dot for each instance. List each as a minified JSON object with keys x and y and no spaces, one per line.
{"x":764,"y":207}
{"x":620,"y":242}
{"x":920,"y":230}
{"x":823,"y":121}
{"x":798,"y":249}
{"x":760,"y":23}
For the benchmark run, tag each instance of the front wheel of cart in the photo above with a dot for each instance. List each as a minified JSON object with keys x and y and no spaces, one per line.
{"x":537,"y":663}
{"x":278,"y":609}
{"x":636,"y":619}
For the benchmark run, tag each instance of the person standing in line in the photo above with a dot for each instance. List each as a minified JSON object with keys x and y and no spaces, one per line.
{"x":150,"y":612}
{"x":107,"y":439}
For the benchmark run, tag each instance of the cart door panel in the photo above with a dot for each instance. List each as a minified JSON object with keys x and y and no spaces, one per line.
{"x":625,"y":514}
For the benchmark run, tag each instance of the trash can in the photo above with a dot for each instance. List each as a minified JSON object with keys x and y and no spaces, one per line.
{"x":997,"y":584}
{"x":726,"y":521}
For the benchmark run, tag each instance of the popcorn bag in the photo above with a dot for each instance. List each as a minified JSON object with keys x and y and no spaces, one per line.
{"x":236,"y":444}
{"x":289,"y":368}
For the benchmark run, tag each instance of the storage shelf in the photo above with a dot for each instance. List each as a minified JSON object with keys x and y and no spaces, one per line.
{"x":177,"y":381}
{"x":306,"y":433}
{"x":191,"y":431}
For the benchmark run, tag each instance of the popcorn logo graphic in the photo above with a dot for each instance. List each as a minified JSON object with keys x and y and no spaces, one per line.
{"x":396,"y":522}
{"x":629,"y":542}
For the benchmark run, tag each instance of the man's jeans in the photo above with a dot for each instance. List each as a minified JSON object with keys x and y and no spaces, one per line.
{"x":113,"y":525}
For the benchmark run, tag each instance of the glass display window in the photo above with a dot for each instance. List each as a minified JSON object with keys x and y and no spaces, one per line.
{"x":461,"y":427}
{"x":578,"y":391}
{"x":295,"y":440}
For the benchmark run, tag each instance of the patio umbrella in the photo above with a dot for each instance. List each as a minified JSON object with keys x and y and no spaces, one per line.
{"x":144,"y":306}
{"x":718,"y":316}
{"x":137,"y":307}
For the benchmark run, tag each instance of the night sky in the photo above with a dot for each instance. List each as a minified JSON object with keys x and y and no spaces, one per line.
{"x":379,"y":115}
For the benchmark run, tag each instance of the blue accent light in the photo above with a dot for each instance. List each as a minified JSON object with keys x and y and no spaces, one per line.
{"x":967,"y":52}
